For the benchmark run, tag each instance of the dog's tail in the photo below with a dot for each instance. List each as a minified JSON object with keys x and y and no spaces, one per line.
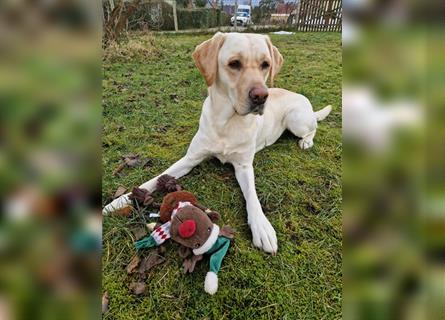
{"x":323,"y":113}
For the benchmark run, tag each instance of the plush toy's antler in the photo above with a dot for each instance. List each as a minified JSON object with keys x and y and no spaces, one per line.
{"x":167,"y":183}
{"x":141,"y":196}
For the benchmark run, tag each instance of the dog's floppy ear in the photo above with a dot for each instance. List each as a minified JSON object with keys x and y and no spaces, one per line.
{"x":277,"y":60}
{"x":206,"y":57}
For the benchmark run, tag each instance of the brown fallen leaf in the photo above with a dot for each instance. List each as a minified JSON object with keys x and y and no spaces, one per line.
{"x":133,"y":265}
{"x":227,"y":175}
{"x":120,"y":191}
{"x":123,"y":212}
{"x":138,"y":287}
{"x":161,"y":250}
{"x":149,"y":262}
{"x":139,"y":232}
{"x":119,"y":168}
{"x":131,"y":160}
{"x":105,"y":302}
{"x":147,"y":163}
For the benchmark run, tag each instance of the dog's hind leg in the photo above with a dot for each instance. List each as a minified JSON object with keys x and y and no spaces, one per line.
{"x":307,"y":141}
{"x":303,"y":125}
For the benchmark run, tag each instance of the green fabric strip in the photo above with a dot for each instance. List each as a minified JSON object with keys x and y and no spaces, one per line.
{"x":145,"y":243}
{"x":218,"y":251}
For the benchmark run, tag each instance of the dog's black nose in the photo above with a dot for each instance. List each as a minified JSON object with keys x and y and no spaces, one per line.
{"x":258,"y":95}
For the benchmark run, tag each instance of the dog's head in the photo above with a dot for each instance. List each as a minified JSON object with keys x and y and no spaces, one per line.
{"x":239,"y":64}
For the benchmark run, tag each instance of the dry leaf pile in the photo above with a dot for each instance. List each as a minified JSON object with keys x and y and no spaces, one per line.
{"x":139,"y":267}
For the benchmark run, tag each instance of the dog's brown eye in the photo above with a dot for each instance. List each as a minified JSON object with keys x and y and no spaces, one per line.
{"x":197,"y":245}
{"x":209,"y":230}
{"x":235,"y":64}
{"x":265,"y":65}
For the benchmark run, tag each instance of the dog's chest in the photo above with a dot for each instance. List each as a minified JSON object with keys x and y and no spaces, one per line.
{"x":229,"y":140}
{"x":233,"y":145}
{"x":232,"y":155}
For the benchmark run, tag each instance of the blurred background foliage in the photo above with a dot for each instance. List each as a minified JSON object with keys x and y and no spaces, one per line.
{"x":50,"y":160}
{"x":394,"y":223}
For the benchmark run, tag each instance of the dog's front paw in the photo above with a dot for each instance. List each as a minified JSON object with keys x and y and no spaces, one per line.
{"x":263,"y":235}
{"x":117,"y":204}
{"x":305,"y":143}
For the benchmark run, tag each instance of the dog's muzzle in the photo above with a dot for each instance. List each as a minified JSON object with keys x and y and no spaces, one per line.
{"x":258,"y":96}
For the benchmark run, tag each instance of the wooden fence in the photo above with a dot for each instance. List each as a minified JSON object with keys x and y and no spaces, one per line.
{"x":319,"y":15}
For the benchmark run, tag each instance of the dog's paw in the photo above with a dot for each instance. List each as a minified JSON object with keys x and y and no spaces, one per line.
{"x":118,"y":203}
{"x":263,"y":235}
{"x":305,"y":143}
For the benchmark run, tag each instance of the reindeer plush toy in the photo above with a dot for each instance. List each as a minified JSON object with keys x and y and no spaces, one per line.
{"x":192,"y":226}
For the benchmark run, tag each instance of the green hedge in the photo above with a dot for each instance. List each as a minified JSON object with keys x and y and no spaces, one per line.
{"x":201,"y":18}
{"x":159,"y":16}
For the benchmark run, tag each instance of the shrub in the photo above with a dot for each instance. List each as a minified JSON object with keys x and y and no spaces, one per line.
{"x":159,"y":16}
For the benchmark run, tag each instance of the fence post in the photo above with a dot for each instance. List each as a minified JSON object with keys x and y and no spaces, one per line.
{"x":236,"y":12}
{"x":297,"y":12}
{"x":175,"y":17}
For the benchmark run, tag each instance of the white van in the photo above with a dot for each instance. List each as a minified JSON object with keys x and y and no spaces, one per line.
{"x":243,"y":16}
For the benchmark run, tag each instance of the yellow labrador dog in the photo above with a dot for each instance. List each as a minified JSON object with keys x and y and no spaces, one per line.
{"x":241,"y":116}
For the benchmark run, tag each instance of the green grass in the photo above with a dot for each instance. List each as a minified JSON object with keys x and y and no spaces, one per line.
{"x":158,"y":98}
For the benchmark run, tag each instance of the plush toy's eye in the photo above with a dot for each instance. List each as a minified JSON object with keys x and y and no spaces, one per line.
{"x":197,"y":245}
{"x":209,"y":230}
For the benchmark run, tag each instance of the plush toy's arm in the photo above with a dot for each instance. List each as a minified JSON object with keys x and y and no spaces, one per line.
{"x":146,"y":243}
{"x":156,"y":238}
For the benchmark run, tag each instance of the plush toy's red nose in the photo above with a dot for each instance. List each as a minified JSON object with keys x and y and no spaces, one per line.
{"x":187,"y":229}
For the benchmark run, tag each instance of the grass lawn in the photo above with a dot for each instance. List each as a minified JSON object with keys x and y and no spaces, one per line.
{"x":151,"y":104}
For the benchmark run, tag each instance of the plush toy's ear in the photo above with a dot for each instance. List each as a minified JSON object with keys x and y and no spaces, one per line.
{"x":277,"y":60}
{"x":206,"y":57}
{"x":227,"y":231}
{"x":213,"y":215}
